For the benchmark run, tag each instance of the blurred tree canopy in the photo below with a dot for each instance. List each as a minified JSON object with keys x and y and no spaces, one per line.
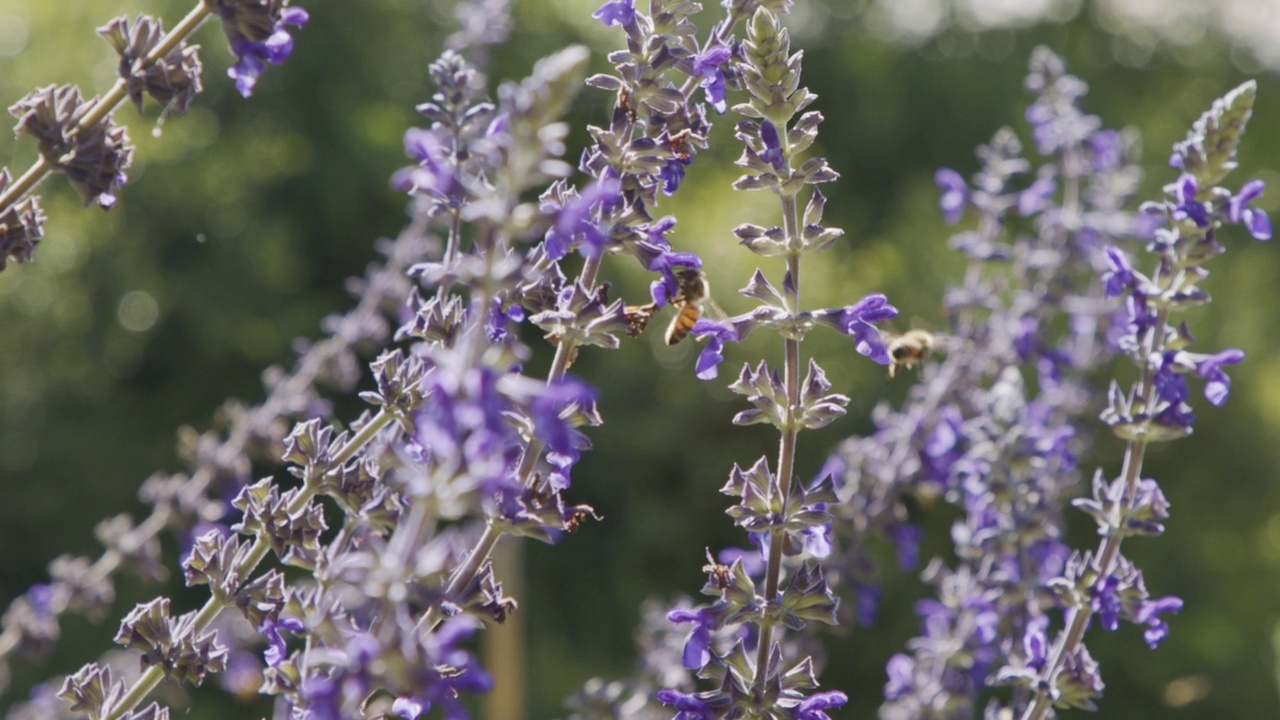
{"x":241,"y":220}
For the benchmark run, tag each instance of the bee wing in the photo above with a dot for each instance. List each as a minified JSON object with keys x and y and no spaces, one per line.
{"x":712,"y":309}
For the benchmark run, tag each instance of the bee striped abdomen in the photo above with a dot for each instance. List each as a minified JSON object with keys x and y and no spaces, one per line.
{"x":683,"y":322}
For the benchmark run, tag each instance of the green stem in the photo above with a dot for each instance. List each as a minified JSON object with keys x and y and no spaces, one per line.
{"x":108,"y":103}
{"x":1109,"y":549}
{"x":786,"y":449}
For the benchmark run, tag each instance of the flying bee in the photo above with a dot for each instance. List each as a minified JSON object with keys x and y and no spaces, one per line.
{"x":908,"y":349}
{"x":693,"y":294}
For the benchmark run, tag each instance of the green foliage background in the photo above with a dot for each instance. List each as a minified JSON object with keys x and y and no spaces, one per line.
{"x":242,"y":219}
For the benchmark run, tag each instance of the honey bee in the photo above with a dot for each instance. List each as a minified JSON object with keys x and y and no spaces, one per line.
{"x":693,"y":294}
{"x":908,"y":349}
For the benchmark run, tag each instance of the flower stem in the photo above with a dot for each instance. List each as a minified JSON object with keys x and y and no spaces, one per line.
{"x":108,"y":103}
{"x":786,"y":448}
{"x":256,"y":554}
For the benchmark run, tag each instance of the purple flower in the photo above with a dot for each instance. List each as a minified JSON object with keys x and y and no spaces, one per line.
{"x":706,"y":65}
{"x":717,"y":335}
{"x":433,"y":175}
{"x":1149,"y":613}
{"x":772,"y":146}
{"x":1107,"y":602}
{"x":1170,"y":385}
{"x":253,"y":55}
{"x":1185,"y":191}
{"x":409,"y":708}
{"x":575,"y":221}
{"x":1255,"y":220}
{"x":548,"y":410}
{"x":688,"y":705}
{"x":817,"y":540}
{"x":813,"y":707}
{"x":697,"y":646}
{"x":901,"y":681}
{"x":617,"y":12}
{"x":41,"y":598}
{"x":866,"y":603}
{"x":323,"y":697}
{"x":752,"y":561}
{"x":1210,"y":368}
{"x":672,"y":174}
{"x":270,"y":628}
{"x":955,"y":193}
{"x":1120,"y":276}
{"x":1038,"y":196}
{"x":657,"y":257}
{"x":1035,"y":643}
{"x":498,"y":322}
{"x":858,"y":320}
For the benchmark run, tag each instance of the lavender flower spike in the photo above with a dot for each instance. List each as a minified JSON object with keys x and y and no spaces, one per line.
{"x":1103,"y":582}
{"x":763,"y":674}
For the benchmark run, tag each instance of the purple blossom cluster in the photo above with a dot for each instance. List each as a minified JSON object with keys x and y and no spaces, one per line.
{"x":352,"y":583}
{"x":994,"y":428}
{"x":1103,"y":583}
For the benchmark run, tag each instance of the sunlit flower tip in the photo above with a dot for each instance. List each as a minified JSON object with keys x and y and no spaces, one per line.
{"x":1219,"y":385}
{"x":955,"y":193}
{"x":1255,"y":220}
{"x":499,"y":126}
{"x":617,"y":12}
{"x":716,"y":334}
{"x":772,"y":146}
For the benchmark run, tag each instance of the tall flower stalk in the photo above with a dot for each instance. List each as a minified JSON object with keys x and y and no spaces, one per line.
{"x":451,"y":420}
{"x":993,"y":427}
{"x":788,"y":523}
{"x":1103,"y":584}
